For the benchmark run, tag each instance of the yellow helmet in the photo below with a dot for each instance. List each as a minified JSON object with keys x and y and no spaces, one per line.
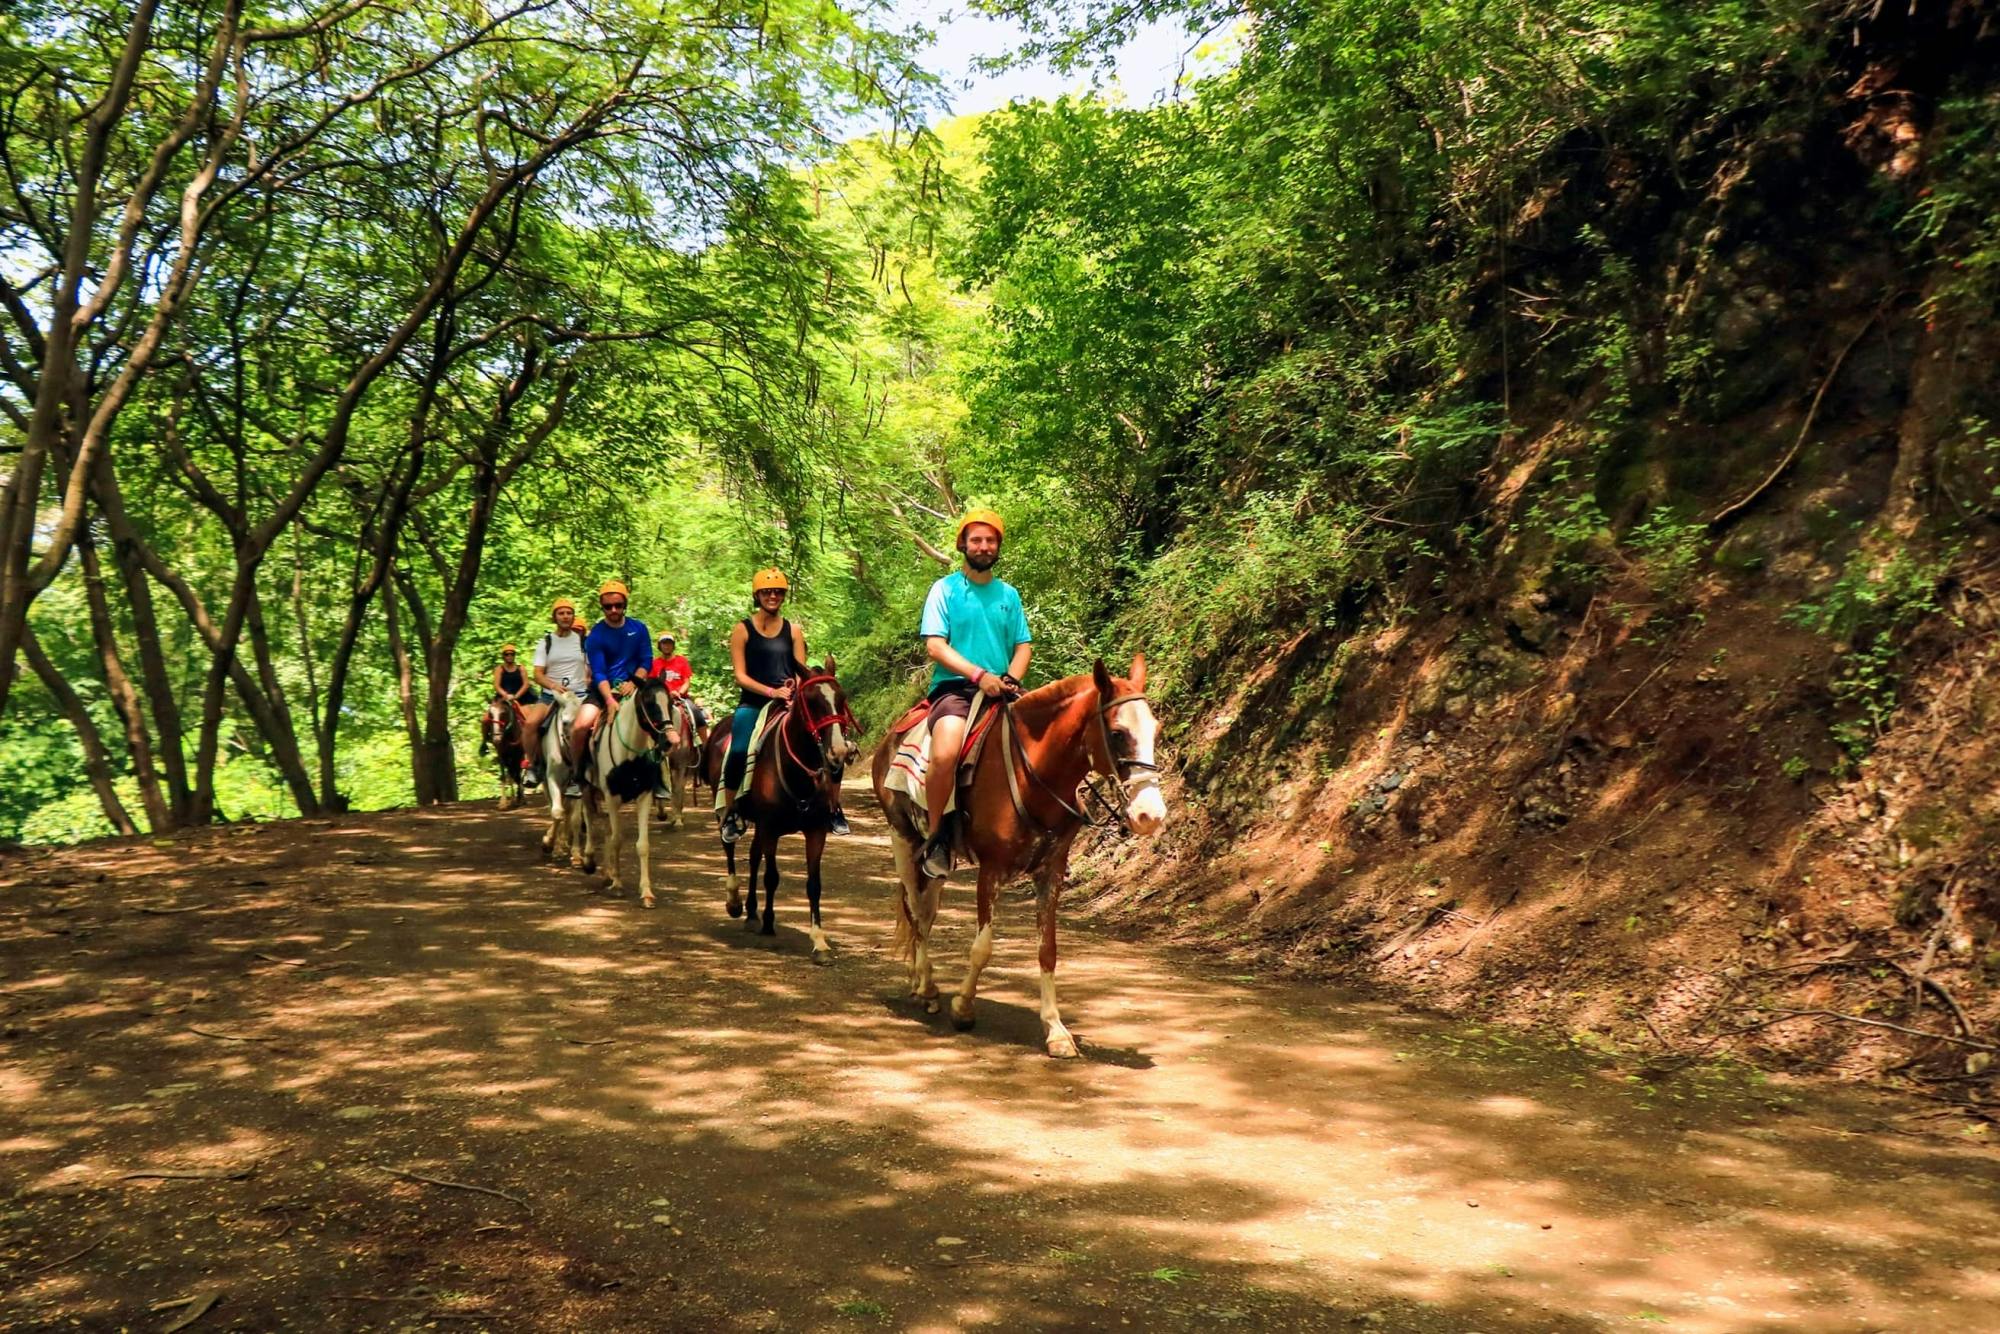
{"x":987,"y":517}
{"x":508,"y":648}
{"x":613,"y":586}
{"x":771,"y":578}
{"x":562,"y":604}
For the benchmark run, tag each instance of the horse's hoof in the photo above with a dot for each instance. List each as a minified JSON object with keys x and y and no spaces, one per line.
{"x":770,"y":928}
{"x":824,"y":958}
{"x":1062,"y":1046}
{"x":963,"y":1023}
{"x":735,"y":904}
{"x":931,"y":1005}
{"x":645,"y":900}
{"x":750,"y":923}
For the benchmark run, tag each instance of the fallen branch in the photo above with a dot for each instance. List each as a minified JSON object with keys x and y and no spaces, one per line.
{"x":73,"y":1255}
{"x":169,"y":912}
{"x":198,"y":1306}
{"x":585,"y":1042}
{"x":289,"y":963}
{"x":453,"y":1185}
{"x":1877,"y":1023}
{"x":189,"y":1174}
{"x":225,"y":1037}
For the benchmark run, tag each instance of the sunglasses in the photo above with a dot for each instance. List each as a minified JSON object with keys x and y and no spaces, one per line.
{"x":612,"y":606}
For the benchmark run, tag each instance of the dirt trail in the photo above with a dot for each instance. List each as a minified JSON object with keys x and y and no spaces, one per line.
{"x":706,"y":1132}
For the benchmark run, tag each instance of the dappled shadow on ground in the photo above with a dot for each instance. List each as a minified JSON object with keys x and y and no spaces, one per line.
{"x":702,"y":1130}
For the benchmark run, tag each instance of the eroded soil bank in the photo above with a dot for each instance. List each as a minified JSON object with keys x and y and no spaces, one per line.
{"x":700,"y":1130}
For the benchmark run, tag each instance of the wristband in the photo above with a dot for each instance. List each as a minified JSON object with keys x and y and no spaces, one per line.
{"x":978,"y":675}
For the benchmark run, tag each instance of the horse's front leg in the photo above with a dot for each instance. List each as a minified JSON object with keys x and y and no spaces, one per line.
{"x":982,"y":950}
{"x":642,"y":810}
{"x":583,"y":831}
{"x":822,"y":948}
{"x":770,"y":847}
{"x":614,"y":843}
{"x":552,"y":840}
{"x":1048,"y":894}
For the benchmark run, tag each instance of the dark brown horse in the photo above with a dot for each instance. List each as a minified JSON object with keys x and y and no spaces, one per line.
{"x":1021,"y":816}
{"x":806,"y":748}
{"x":502,"y":732}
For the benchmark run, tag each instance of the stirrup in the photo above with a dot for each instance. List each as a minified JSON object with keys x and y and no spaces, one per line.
{"x":732,"y":826}
{"x":936,"y":861}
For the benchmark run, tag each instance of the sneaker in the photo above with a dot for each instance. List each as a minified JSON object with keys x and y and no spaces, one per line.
{"x":937,"y":855}
{"x":840,"y":825}
{"x":575,"y":789}
{"x":732,"y":827}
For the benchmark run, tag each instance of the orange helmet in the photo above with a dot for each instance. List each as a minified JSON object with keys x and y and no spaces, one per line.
{"x":771,"y":578}
{"x":508,"y":648}
{"x":561,"y":604}
{"x":613,"y":586}
{"x":987,"y":517}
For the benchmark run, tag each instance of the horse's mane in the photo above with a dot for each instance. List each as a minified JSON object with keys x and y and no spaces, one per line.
{"x":1056,"y":694}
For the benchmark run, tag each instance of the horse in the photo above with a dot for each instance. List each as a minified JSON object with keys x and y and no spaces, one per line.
{"x":806,"y":748}
{"x":1018,"y":818}
{"x":560,"y":840}
{"x":683,"y":761}
{"x":622,"y":755}
{"x":500,"y":731}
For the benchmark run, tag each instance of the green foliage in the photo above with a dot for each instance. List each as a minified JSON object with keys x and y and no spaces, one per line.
{"x":1871,"y":608}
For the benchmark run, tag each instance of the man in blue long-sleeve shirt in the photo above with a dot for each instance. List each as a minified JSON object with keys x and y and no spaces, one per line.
{"x":621,"y":653}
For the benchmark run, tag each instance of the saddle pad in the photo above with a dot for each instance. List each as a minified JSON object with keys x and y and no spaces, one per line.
{"x":912,"y":759}
{"x":750,"y":753}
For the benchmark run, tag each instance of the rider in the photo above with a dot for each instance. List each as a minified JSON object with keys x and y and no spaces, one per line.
{"x":560,"y":664}
{"x":977,"y":636}
{"x":511,"y":684}
{"x":672,"y":670}
{"x":618,"y":661}
{"x":769,"y":653}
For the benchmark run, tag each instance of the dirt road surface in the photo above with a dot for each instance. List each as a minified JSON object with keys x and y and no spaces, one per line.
{"x":673,"y":1125}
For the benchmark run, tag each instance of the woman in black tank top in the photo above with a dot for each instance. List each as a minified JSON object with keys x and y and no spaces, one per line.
{"x":508,"y":678}
{"x":766,"y":658}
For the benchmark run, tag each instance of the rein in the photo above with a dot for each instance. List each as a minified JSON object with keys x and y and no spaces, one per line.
{"x":1129,"y":774}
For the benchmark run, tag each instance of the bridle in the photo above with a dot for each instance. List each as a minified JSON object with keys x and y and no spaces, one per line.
{"x":1131,"y":775}
{"x":816,"y":727}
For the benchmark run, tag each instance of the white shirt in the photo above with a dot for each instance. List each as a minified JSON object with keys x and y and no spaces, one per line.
{"x":563,"y":658}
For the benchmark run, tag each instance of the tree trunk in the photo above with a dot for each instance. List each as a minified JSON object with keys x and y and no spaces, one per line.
{"x":138,"y":742}
{"x":161,"y":697}
{"x":96,"y":762}
{"x":406,"y":693}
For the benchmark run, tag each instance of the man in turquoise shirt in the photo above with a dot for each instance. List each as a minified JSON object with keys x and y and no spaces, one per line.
{"x":977,"y":636}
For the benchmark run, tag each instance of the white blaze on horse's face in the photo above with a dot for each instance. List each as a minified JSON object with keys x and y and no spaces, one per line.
{"x":1145,"y":807}
{"x":840,"y":750}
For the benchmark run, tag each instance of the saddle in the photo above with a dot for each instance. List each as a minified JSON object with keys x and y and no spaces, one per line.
{"x":912,"y":760}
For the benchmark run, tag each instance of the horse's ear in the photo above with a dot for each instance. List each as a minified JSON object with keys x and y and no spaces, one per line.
{"x":1100,"y":674}
{"x":827,"y":666}
{"x":1139,"y":673}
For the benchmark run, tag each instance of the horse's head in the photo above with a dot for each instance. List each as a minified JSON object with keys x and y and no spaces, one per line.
{"x":822,"y":705}
{"x":655,"y":709}
{"x":1131,"y":731}
{"x":494,"y":723}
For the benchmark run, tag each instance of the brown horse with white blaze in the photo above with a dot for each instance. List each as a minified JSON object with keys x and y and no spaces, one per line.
{"x":502,"y":732}
{"x":1020,"y":818}
{"x":801,"y":757}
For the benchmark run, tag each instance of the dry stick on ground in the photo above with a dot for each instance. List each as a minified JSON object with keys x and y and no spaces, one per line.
{"x":73,"y":1255}
{"x":189,"y":1174}
{"x":1728,"y":512}
{"x":585,"y":1042}
{"x":169,"y":912}
{"x":1879,"y":1023}
{"x":225,"y":1037}
{"x":198,"y":1306}
{"x":452,"y":1185}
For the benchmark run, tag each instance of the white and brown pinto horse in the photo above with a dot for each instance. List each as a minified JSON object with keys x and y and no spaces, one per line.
{"x":563,"y":838}
{"x":622,"y":759}
{"x":1021,"y":818}
{"x":683,"y":762}
{"x":503,"y":732}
